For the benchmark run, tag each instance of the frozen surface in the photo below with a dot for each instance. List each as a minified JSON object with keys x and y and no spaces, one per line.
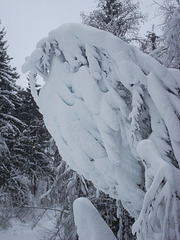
{"x":114,"y":114}
{"x":90,"y":225}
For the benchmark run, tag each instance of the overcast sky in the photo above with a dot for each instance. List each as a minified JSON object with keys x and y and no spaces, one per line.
{"x":27,"y":21}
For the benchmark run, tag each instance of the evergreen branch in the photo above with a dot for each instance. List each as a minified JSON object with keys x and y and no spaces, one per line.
{"x":45,"y":208}
{"x":7,"y":116}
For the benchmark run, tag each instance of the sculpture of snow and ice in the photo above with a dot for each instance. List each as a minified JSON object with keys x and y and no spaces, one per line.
{"x":114,"y":113}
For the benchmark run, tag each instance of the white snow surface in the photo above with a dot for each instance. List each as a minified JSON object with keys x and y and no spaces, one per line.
{"x":33,"y":228}
{"x":101,"y":99}
{"x":21,"y":234}
{"x":90,"y":225}
{"x":20,"y":231}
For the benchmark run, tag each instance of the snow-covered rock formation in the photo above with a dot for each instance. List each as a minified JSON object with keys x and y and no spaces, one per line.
{"x":114,"y":113}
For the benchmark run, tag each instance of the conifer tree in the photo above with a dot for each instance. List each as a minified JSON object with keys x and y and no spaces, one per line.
{"x":120,"y":17}
{"x":9,"y":123}
{"x":10,"y":129}
{"x":171,"y":33}
{"x":32,"y":144}
{"x":168,"y":50}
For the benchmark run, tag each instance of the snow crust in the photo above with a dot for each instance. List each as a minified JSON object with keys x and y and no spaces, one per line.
{"x":90,"y":225}
{"x":101,"y":99}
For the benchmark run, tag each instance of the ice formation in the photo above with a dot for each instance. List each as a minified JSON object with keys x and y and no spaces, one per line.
{"x":114,"y":113}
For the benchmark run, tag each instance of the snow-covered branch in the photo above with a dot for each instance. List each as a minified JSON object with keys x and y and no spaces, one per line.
{"x":101,"y":99}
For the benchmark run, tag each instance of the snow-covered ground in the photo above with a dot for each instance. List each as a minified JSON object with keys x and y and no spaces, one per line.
{"x":31,"y":230}
{"x":20,"y":232}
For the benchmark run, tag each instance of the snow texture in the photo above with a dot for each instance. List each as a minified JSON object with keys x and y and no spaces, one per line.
{"x":89,"y":223}
{"x":20,"y":231}
{"x":114,"y":114}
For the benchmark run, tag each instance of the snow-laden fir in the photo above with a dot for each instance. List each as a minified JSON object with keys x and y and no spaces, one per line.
{"x":114,"y":113}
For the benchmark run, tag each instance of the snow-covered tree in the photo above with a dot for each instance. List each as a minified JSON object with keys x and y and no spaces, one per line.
{"x":30,"y":148}
{"x":120,"y":17}
{"x":171,"y":33}
{"x":114,"y":114}
{"x":66,"y":187}
{"x":168,"y":51}
{"x":9,"y":123}
{"x":10,"y":128}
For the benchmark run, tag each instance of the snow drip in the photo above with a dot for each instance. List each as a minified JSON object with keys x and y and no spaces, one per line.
{"x":114,"y":113}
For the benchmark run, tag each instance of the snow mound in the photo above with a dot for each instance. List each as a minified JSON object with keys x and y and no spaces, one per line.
{"x":90,"y":225}
{"x":101,"y":99}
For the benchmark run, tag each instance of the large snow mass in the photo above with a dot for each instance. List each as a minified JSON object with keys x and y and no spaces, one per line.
{"x":89,"y":223}
{"x":114,"y":113}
